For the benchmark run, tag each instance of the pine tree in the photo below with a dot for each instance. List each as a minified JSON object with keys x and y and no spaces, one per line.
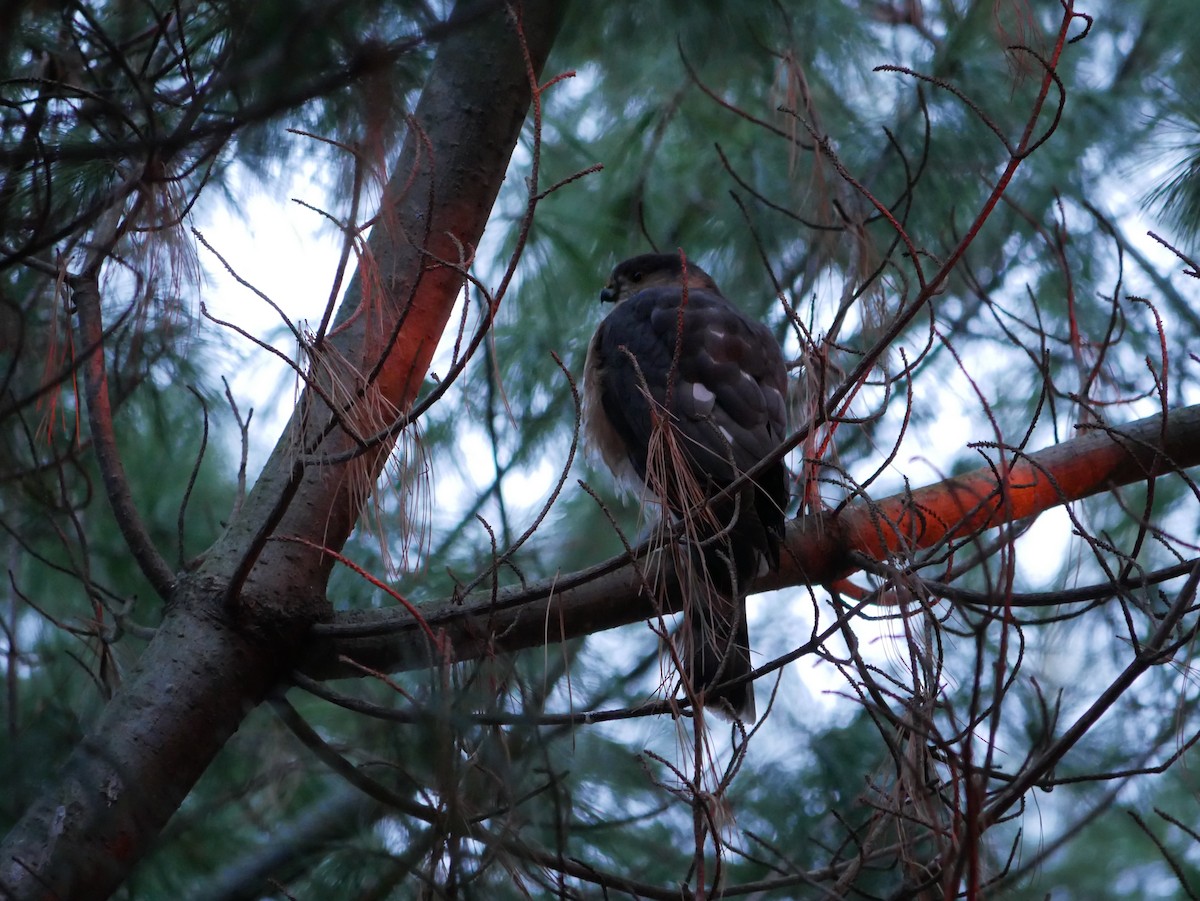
{"x":425,"y":651}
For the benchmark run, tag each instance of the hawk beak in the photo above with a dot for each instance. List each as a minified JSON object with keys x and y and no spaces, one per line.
{"x":608,"y":295}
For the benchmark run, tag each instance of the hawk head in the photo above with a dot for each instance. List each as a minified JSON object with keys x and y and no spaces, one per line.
{"x":652,"y":270}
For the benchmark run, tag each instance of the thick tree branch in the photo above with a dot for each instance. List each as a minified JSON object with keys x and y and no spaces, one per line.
{"x":820,"y":549}
{"x":375,"y":360}
{"x":1026,"y":485}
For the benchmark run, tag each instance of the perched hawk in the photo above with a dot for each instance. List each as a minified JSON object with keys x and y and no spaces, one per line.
{"x":682,"y":394}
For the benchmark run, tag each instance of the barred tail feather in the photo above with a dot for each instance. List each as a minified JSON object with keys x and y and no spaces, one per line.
{"x":720,"y":655}
{"x":719,"y":637}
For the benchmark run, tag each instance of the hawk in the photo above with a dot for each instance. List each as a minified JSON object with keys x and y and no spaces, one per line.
{"x":683,"y":393}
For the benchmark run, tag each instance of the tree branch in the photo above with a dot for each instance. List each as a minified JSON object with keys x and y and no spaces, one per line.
{"x":820,"y":548}
{"x":86,"y":296}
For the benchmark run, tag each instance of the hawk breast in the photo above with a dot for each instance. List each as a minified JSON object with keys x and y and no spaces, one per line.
{"x":718,"y":375}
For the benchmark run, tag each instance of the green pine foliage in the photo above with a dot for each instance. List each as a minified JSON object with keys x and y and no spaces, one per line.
{"x":704,"y":118}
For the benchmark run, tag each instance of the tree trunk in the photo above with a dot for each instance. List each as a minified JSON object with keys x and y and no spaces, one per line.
{"x":234,"y":626}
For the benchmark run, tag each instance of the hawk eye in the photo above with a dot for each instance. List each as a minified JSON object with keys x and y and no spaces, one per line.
{"x":636,"y":277}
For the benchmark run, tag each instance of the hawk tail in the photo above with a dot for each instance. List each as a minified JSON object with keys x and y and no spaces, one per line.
{"x":719,"y":637}
{"x":719,"y":659}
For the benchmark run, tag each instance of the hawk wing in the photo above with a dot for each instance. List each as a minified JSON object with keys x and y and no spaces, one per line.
{"x":717,"y":374}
